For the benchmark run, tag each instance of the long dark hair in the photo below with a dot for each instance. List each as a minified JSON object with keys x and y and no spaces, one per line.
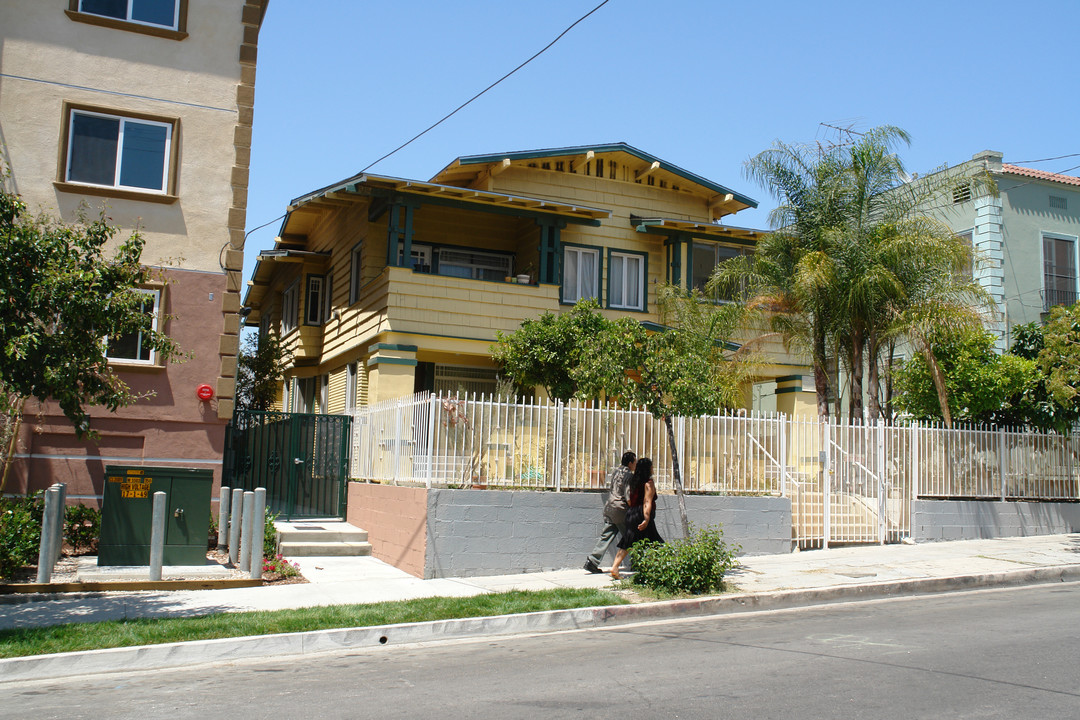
{"x":642,"y":475}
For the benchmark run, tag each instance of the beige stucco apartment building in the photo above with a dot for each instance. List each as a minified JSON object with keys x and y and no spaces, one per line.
{"x":382,"y":286}
{"x":141,"y":109}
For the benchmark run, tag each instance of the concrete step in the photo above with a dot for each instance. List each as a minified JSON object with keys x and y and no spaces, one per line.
{"x":323,"y":536}
{"x":314,"y":538}
{"x":320,"y":549}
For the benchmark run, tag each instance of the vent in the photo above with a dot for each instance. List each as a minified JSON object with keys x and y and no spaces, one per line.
{"x":1058,"y":203}
{"x":961,"y":194}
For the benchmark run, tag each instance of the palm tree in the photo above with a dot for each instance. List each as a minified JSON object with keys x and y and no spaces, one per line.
{"x":853,"y":265}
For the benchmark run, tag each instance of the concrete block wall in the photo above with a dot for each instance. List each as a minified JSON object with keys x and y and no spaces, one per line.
{"x":491,"y":532}
{"x":977,"y":519}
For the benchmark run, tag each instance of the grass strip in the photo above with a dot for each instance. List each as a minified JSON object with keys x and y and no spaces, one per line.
{"x":72,"y":637}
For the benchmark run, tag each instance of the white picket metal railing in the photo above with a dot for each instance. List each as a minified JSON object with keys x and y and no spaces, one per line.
{"x":848,"y":482}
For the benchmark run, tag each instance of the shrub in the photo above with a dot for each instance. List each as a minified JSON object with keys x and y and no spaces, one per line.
{"x":281,"y":567}
{"x":20,"y":532}
{"x":82,"y":527}
{"x":695,"y":564}
{"x":270,"y":536}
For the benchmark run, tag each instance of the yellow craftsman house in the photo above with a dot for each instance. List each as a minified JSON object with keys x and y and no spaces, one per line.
{"x":382,"y":287}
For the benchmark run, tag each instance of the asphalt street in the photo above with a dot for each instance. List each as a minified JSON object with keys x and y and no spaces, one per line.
{"x":1003,"y":653}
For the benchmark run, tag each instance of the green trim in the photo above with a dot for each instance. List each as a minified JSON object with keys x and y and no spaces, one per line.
{"x":781,"y":391}
{"x":644,"y":280}
{"x":393,"y":346}
{"x":391,"y":361}
{"x":599,"y":269}
{"x":613,"y":147}
{"x":420,"y":200}
{"x":657,"y":327}
{"x":789,"y":378}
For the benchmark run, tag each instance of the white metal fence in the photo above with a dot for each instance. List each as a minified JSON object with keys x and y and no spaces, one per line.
{"x":847,"y":482}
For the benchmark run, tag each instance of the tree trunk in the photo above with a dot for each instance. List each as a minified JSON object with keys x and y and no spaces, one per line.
{"x":889,"y":364}
{"x":9,"y":436}
{"x":873,"y":380}
{"x":821,"y":375}
{"x":678,"y":476}
{"x":855,"y":404}
{"x":939,"y":385}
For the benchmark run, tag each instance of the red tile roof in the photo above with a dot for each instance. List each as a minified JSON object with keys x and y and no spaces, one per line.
{"x":1039,"y":174}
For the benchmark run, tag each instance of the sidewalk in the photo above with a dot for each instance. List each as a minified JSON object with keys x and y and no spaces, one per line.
{"x":764,"y":581}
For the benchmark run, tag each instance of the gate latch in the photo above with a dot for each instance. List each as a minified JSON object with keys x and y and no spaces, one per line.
{"x":178,"y":513}
{"x":298,"y":461}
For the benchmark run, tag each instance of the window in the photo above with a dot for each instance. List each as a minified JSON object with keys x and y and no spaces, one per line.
{"x":289,"y":309}
{"x":350,"y":387}
{"x":356,"y":270}
{"x":304,"y":397}
{"x":581,"y":273}
{"x":316,"y":300}
{"x":324,"y":393}
{"x":133,"y":347}
{"x":1059,"y":271}
{"x":626,"y":281}
{"x":420,"y":257}
{"x":706,"y":256}
{"x":473,"y":264}
{"x":163,"y":13}
{"x":118,"y":152}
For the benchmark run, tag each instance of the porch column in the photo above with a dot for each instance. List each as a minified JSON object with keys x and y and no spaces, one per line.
{"x":399,"y":228}
{"x":550,"y":265}
{"x":793,"y":399}
{"x":391,"y":371}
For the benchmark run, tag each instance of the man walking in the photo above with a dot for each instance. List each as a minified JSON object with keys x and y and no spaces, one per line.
{"x":614,"y":510}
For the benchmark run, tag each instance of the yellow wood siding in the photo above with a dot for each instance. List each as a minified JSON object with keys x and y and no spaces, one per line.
{"x":338,"y":383}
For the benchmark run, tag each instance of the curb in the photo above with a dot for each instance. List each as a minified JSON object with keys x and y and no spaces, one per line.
{"x":201,"y":652}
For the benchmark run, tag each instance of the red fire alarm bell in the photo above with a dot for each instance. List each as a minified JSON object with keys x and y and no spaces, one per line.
{"x":204,"y":391}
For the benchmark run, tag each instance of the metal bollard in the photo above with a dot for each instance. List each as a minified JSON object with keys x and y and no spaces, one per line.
{"x":234,"y":524}
{"x":245,"y":530}
{"x":58,"y":544}
{"x":223,"y":517}
{"x":258,"y":517}
{"x":157,"y":536}
{"x":49,"y":519}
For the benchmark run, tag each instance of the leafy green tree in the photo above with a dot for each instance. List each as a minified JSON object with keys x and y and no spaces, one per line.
{"x":982,"y":385}
{"x":541,"y":351}
{"x":1059,"y":357}
{"x":261,"y":365}
{"x":687,"y":368}
{"x":60,"y":296}
{"x":683,"y":370}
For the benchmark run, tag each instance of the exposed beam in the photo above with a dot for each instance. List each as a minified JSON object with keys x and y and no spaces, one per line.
{"x":639,"y":174}
{"x":587,"y":157}
{"x":496,"y":169}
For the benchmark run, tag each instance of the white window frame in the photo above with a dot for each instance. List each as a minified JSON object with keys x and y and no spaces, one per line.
{"x":130,"y":8}
{"x":290,"y":308}
{"x":117,"y":166}
{"x":1075,"y":240}
{"x":476,"y":262}
{"x":155,"y":314}
{"x":572,"y":295}
{"x":624,"y":281}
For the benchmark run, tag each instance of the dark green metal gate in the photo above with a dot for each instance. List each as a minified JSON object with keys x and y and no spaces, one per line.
{"x":301,"y":459}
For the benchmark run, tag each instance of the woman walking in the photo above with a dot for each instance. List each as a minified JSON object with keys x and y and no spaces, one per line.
{"x":641,"y":513}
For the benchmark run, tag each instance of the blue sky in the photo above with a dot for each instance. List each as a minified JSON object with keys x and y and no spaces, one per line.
{"x":702,"y":84}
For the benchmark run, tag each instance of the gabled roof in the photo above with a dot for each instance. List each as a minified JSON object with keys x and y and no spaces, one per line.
{"x":1039,"y":174}
{"x":471,"y":166}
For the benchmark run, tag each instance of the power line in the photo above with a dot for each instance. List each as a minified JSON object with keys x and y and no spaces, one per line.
{"x":489,"y":87}
{"x":1031,"y":162}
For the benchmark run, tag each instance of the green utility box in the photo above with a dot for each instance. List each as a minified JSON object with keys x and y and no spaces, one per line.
{"x":127,"y":513}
